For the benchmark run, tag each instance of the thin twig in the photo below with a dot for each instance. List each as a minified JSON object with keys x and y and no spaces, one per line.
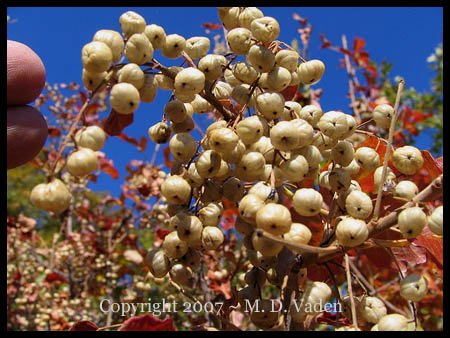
{"x":350,"y":73}
{"x":350,"y":291}
{"x":376,"y":211}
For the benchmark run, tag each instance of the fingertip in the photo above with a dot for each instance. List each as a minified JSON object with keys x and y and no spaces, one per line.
{"x":25,"y":74}
{"x":27,"y":132}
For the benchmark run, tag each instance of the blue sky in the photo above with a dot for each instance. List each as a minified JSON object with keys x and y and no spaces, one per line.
{"x":404,"y":36}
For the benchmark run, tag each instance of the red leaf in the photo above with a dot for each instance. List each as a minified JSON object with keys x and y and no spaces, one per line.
{"x":141,"y":144}
{"x":107,"y":166}
{"x":54,"y":132}
{"x":161,"y":233}
{"x":55,"y":277}
{"x":325,"y":42}
{"x":167,"y":161}
{"x":358,"y":44}
{"x":147,"y":322}
{"x":83,"y":97}
{"x":229,"y":219}
{"x":412,"y":254}
{"x":84,"y":325}
{"x":115,"y":122}
{"x":433,"y":245}
{"x":211,"y":26}
{"x":289,"y":92}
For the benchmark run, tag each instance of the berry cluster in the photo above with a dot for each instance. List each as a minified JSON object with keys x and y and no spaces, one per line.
{"x":256,"y":156}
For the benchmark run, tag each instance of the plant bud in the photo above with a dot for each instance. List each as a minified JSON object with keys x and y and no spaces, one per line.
{"x":92,"y":137}
{"x":307,"y":202}
{"x":310,"y":72}
{"x":274,"y":218}
{"x":197,"y":47}
{"x":212,"y":238}
{"x":124,"y":98}
{"x":408,"y":160}
{"x":351,"y":232}
{"x":261,"y":58}
{"x":53,"y":196}
{"x":413,"y":287}
{"x":113,"y":40}
{"x":411,"y":222}
{"x":173,"y":46}
{"x":156,"y":35}
{"x":173,"y":246}
{"x":436,"y":221}
{"x":82,"y":162}
{"x":358,"y":205}
{"x":138,"y":49}
{"x":176,"y":190}
{"x":96,"y":57}
{"x":131,"y":23}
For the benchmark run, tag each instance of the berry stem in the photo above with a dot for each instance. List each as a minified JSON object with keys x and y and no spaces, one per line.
{"x":376,"y":211}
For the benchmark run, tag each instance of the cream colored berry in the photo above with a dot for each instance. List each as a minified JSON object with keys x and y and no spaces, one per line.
{"x":251,"y":166}
{"x":240,"y":40}
{"x":414,"y":287}
{"x":180,"y":274}
{"x":212,"y":66}
{"x":248,"y":207}
{"x":183,"y":147}
{"x":184,"y":96}
{"x":342,"y":153}
{"x":382,"y":115}
{"x":278,"y":79}
{"x":367,"y":158}
{"x":261,"y":58}
{"x":92,"y":137}
{"x":236,"y":154}
{"x":247,"y":15}
{"x":173,"y":46}
{"x":358,"y":204}
{"x":304,"y":130}
{"x":93,"y":80}
{"x":190,"y":230}
{"x":233,"y":189}
{"x":311,"y":114}
{"x":211,"y":214}
{"x":175,"y":110}
{"x":393,"y":322}
{"x":223,"y":140}
{"x":267,"y":247}
{"x":324,"y":179}
{"x":351,"y":232}
{"x":265,"y":317}
{"x":372,"y":309}
{"x":244,"y":72}
{"x":82,"y":162}
{"x":222,"y":90}
{"x":390,"y":176}
{"x":351,"y":127}
{"x":333,"y":124}
{"x":295,"y":169}
{"x":114,"y":41}
{"x":284,"y":136}
{"x":406,"y":190}
{"x":173,"y":246}
{"x":224,"y":171}
{"x":265,"y":29}
{"x":230,"y":17}
{"x":208,"y":163}
{"x":288,"y":59}
{"x":291,"y":110}
{"x":131,"y":23}
{"x":165,"y":82}
{"x":193,"y":177}
{"x":339,"y":180}
{"x":310,"y":72}
{"x":197,"y":47}
{"x":299,"y":234}
{"x":315,"y":293}
{"x":411,"y":222}
{"x":200,"y":105}
{"x":241,"y":94}
{"x":156,"y":35}
{"x":307,"y":202}
{"x":271,"y":105}
{"x":265,"y":192}
{"x":53,"y":196}
{"x":176,"y":190}
{"x":230,"y":78}
{"x":263,"y":146}
{"x":96,"y":57}
{"x":251,"y":129}
{"x":436,"y":221}
{"x":189,"y":80}
{"x":149,"y":89}
{"x":124,"y":98}
{"x":408,"y":160}
{"x":158,"y":263}
{"x":131,"y":73}
{"x":274,"y":218}
{"x":311,"y":154}
{"x":138,"y":49}
{"x":212,"y":238}
{"x":159,"y":133}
